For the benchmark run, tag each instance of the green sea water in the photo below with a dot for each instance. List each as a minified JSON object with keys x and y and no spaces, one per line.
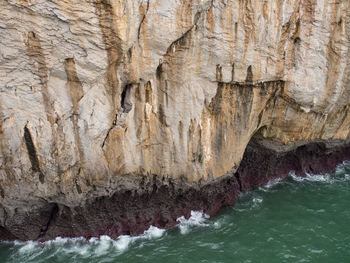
{"x":297,"y":220}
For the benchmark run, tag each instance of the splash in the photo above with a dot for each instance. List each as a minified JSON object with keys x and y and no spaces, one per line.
{"x":99,"y":247}
{"x":79,"y":247}
{"x":271,"y":184}
{"x":321,"y":178}
{"x":197,"y":218}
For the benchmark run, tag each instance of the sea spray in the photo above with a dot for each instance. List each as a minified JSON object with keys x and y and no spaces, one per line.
{"x":271,"y":184}
{"x":102,"y":246}
{"x":79,"y":247}
{"x":197,"y":218}
{"x":341,"y":175}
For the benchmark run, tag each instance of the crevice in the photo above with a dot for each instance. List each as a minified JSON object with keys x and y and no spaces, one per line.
{"x":260,"y":116}
{"x":249,"y":78}
{"x":233,"y":72}
{"x":159,"y":70}
{"x":77,"y":186}
{"x":297,"y":41}
{"x":53,"y":215}
{"x":107,"y":135}
{"x":142,"y":20}
{"x":33,"y":157}
{"x":2,"y":193}
{"x":218,"y":73}
{"x":125,"y":99}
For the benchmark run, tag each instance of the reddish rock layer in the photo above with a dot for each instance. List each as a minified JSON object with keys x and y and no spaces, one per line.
{"x":160,"y":202}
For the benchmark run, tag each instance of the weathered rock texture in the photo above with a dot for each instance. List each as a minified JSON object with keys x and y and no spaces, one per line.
{"x":113,"y":107}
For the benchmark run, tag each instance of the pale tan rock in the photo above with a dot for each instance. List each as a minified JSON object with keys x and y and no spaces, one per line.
{"x":107,"y":88}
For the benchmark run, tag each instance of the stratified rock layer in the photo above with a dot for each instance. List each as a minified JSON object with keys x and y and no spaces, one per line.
{"x":99,"y":96}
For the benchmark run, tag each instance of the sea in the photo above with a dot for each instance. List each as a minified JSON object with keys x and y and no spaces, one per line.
{"x":300,"y":219}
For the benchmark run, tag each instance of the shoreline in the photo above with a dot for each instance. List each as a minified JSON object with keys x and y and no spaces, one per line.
{"x":159,"y":202}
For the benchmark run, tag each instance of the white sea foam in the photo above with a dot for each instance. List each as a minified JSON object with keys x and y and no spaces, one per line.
{"x":85,"y":248}
{"x":104,"y":244}
{"x":310,"y":177}
{"x":340,"y":175}
{"x":101,"y":245}
{"x":197,"y":218}
{"x":28,"y":247}
{"x":123,"y":242}
{"x":270,"y":184}
{"x":257,"y":200}
{"x":153,"y":232}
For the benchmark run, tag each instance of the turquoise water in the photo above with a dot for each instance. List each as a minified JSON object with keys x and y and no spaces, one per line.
{"x":297,"y":220}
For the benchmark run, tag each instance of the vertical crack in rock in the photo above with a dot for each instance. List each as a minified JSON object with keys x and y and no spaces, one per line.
{"x":125,"y":101}
{"x":233,"y":72}
{"x":33,"y":157}
{"x":125,"y":106}
{"x":113,"y":45}
{"x":249,"y":78}
{"x":107,"y":135}
{"x":143,"y":18}
{"x":2,"y":192}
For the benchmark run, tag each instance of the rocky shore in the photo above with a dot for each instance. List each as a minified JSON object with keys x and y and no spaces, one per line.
{"x":159,"y":202}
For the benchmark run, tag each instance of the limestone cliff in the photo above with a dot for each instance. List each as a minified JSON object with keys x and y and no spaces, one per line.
{"x":113,"y":100}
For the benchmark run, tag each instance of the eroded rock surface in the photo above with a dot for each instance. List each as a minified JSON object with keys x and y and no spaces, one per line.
{"x":103,"y":100}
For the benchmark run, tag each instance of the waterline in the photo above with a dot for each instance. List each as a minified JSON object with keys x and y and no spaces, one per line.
{"x":295,"y":220}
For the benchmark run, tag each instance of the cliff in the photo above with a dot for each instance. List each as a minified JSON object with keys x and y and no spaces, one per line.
{"x":111,"y":108}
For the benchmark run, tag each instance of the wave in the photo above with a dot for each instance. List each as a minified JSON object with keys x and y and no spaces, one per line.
{"x":341,"y":175}
{"x":197,"y":218}
{"x":270,"y":184}
{"x":96,"y":247}
{"x":78,"y":247}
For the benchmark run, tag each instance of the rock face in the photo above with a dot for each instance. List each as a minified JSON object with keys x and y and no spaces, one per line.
{"x":111,"y":108}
